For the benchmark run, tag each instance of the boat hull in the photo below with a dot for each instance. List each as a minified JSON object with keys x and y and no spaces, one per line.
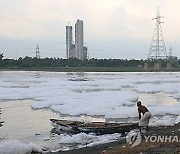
{"x":94,"y":127}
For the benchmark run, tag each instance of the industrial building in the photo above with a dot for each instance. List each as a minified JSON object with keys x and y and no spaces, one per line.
{"x":69,"y":41}
{"x":79,"y":42}
{"x":77,"y":50}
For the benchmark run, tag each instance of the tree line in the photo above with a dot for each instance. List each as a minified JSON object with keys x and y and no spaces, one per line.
{"x":29,"y":62}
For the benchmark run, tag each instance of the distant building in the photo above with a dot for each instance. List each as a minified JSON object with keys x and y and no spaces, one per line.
{"x":72,"y":51}
{"x":77,"y":50}
{"x":68,"y":41}
{"x":85,"y":57}
{"x":79,"y":42}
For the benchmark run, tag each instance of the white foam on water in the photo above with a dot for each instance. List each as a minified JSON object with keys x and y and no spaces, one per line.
{"x":100,"y":94}
{"x":17,"y":147}
{"x":83,"y":140}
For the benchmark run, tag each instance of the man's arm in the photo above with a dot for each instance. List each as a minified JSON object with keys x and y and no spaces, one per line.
{"x":139,"y":111}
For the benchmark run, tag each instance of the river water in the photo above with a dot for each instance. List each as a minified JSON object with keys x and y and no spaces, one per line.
{"x":23,"y":123}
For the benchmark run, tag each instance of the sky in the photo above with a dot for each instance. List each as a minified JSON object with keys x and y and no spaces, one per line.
{"x":120,"y":29}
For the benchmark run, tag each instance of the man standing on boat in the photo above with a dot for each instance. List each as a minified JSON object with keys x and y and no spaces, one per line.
{"x":143,"y":120}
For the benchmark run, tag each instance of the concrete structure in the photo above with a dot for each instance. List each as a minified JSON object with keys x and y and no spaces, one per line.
{"x":145,"y":66}
{"x":168,"y":66}
{"x":157,"y":66}
{"x":79,"y":42}
{"x":69,"y":41}
{"x":85,"y":57}
{"x":77,"y":50}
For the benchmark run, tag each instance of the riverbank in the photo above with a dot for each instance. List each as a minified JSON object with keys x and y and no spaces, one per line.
{"x":149,"y":147}
{"x":89,"y":69}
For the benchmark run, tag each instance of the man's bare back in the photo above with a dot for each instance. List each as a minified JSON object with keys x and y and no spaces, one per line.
{"x":142,"y":109}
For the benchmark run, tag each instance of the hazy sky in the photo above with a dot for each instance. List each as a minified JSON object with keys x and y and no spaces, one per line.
{"x":112,"y":28}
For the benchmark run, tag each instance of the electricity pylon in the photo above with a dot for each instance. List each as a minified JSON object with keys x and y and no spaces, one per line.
{"x":157,"y":49}
{"x":37,"y":52}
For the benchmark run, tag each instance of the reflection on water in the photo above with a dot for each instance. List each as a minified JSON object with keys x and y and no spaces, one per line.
{"x":37,"y":75}
{"x":146,"y":98}
{"x":157,"y":98}
{"x":76,"y":76}
{"x":23,"y":123}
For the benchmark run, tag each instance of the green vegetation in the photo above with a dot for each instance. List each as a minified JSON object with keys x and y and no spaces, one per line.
{"x":91,"y":65}
{"x":1,"y":56}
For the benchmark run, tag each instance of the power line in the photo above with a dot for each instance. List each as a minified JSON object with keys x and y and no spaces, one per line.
{"x":120,"y":28}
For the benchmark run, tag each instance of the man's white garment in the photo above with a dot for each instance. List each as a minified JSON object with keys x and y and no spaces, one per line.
{"x":144,"y":121}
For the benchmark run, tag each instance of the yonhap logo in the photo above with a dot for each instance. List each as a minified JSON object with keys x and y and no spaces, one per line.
{"x":133,"y":138}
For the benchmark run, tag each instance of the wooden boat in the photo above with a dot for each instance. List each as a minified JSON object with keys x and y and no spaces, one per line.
{"x":93,"y":127}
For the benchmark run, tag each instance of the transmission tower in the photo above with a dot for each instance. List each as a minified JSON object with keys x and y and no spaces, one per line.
{"x":170,"y":51}
{"x":157,"y":49}
{"x":37,"y":52}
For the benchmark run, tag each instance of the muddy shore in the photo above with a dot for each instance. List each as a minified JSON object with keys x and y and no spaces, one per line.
{"x":171,"y":146}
